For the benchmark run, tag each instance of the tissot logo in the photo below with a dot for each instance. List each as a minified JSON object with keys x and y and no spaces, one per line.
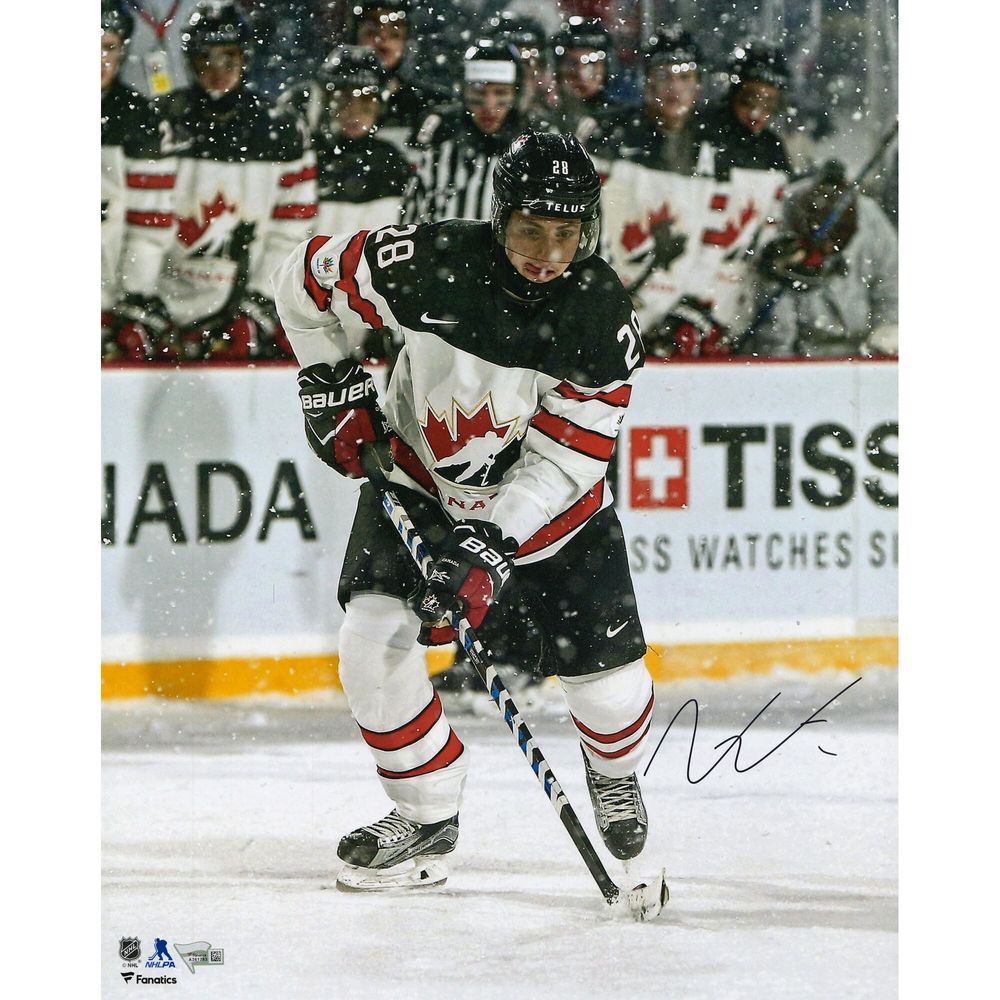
{"x":658,"y":467}
{"x":824,"y":465}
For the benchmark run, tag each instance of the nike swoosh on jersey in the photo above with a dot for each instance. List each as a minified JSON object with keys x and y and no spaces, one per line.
{"x":612,"y":632}
{"x":427,"y":319}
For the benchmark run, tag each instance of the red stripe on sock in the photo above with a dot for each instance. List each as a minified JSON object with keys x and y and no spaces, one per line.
{"x":611,"y":755}
{"x":448,"y":754}
{"x":404,"y":735}
{"x":622,"y":733}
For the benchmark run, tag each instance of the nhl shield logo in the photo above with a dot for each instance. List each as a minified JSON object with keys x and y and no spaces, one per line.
{"x":129,"y":949}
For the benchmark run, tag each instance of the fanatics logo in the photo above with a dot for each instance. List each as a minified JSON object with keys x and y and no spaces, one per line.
{"x":658,"y":467}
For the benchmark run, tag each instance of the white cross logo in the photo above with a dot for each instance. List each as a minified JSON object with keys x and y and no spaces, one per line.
{"x":659,"y":467}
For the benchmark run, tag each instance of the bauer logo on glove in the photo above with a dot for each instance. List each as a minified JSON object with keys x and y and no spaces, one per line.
{"x":465,"y":579}
{"x":342,"y":415}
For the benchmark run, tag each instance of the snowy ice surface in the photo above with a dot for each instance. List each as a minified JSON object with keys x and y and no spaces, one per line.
{"x":221,"y":822}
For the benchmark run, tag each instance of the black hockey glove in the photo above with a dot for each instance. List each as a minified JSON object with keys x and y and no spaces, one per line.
{"x":465,"y":579}
{"x":142,"y":328}
{"x":342,"y":416}
{"x":271,"y":340}
{"x":798,"y":264}
{"x":688,"y":331}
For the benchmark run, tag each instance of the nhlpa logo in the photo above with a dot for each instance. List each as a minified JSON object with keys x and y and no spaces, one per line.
{"x":471,"y":449}
{"x":209,"y":233}
{"x":658,"y":467}
{"x":161,"y":958}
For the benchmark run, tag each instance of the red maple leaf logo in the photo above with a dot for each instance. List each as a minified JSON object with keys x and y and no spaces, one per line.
{"x":634,"y":234}
{"x":445,"y":442}
{"x":728,"y":236}
{"x":190,"y":230}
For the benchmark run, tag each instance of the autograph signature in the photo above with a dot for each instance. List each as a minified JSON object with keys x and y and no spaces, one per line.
{"x":737,"y":740}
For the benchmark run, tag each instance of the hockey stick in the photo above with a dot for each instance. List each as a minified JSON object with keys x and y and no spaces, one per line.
{"x":829,"y":221}
{"x":644,"y":902}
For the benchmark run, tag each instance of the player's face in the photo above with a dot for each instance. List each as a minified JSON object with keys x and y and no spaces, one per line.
{"x":541,"y":249}
{"x":754,"y":104}
{"x":489,"y":104}
{"x":112,"y":51}
{"x":354,"y":114}
{"x":671,"y":93}
{"x":582,"y":72}
{"x":218,"y":68}
{"x":385,"y":35}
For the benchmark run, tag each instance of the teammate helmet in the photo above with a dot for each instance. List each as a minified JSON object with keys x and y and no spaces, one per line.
{"x":527,"y":34}
{"x":492,"y":61}
{"x":583,"y":33}
{"x":116,"y":19}
{"x":811,"y":202}
{"x":552,"y":176}
{"x":396,"y":11}
{"x":215,"y":22}
{"x":352,"y":67}
{"x":754,"y":61}
{"x":673,"y":47}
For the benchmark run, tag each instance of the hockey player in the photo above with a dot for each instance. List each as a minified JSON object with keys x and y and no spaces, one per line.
{"x":246,"y":194}
{"x":137,"y":218}
{"x":517,"y":334}
{"x":841,"y":298}
{"x":361,"y":177}
{"x":527,"y":35}
{"x":758,"y":76}
{"x":687,"y":199}
{"x":384,"y":27}
{"x":582,"y":50}
{"x":459,"y":146}
{"x":667,"y":131}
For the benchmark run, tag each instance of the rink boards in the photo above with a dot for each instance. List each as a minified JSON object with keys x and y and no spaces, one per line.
{"x":758,"y":500}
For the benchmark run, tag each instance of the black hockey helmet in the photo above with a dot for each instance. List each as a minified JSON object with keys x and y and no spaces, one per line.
{"x":393,"y":12}
{"x":672,"y":47}
{"x":491,"y":60}
{"x":756,"y":61}
{"x":527,"y":34}
{"x":354,"y":68}
{"x":552,"y":176}
{"x":216,"y":22}
{"x":583,"y":33}
{"x":116,"y":19}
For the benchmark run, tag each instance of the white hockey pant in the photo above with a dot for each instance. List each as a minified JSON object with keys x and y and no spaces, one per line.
{"x":421,"y":762}
{"x":612,"y":712}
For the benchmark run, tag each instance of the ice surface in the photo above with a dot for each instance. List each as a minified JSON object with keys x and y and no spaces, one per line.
{"x":221,"y":823}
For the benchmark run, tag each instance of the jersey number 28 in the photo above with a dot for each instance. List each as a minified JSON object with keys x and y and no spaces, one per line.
{"x":401,"y":249}
{"x":630,"y":334}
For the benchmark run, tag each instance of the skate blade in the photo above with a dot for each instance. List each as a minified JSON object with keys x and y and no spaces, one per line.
{"x":420,"y":873}
{"x":646,"y":901}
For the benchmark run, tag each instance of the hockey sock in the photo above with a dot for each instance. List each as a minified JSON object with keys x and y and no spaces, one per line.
{"x":421,"y":762}
{"x":612,"y":712}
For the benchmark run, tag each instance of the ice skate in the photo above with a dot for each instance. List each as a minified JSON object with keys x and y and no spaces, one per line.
{"x":619,"y":811}
{"x":396,"y":853}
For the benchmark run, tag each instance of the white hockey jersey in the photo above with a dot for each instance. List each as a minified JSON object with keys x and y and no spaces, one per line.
{"x":723,"y":219}
{"x":505,"y":411}
{"x":137,"y":187}
{"x":245,"y":195}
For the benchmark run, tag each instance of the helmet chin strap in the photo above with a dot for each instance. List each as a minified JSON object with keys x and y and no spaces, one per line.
{"x":516,"y":284}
